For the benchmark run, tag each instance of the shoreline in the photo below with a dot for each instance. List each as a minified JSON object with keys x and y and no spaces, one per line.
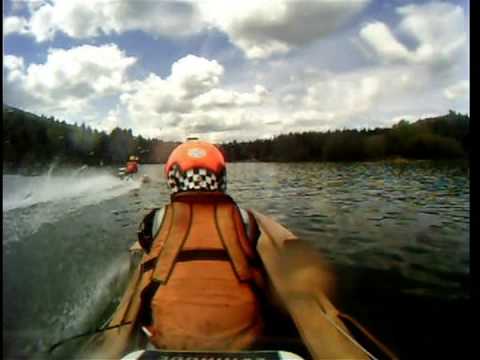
{"x":65,"y":167}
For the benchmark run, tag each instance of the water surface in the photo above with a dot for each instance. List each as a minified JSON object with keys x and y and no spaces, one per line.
{"x":396,"y":235}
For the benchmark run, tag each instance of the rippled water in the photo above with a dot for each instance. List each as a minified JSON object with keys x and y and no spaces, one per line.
{"x":397,"y":236}
{"x":413,"y":219}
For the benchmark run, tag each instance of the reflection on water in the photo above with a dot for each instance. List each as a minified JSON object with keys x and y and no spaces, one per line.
{"x":397,"y":237}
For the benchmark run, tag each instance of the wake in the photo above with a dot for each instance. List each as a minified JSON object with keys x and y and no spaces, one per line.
{"x":86,"y":188}
{"x":32,"y":201}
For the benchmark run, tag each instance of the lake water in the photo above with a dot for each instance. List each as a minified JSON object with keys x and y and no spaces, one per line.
{"x":395,"y":235}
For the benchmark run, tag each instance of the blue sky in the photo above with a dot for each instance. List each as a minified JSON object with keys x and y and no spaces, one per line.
{"x":236,"y":70}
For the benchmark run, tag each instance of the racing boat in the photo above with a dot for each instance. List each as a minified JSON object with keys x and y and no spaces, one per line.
{"x":127,"y":172}
{"x":122,"y":173}
{"x":322,"y":329}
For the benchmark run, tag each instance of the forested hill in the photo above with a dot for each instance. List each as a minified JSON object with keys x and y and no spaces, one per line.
{"x":443,"y":137}
{"x":31,"y":140}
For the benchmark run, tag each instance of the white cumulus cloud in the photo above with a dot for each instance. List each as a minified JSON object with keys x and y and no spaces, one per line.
{"x":69,"y":79}
{"x":259,"y":28}
{"x":83,"y":19}
{"x":229,"y":98}
{"x":380,"y":38}
{"x":344,"y":94}
{"x":193,"y":75}
{"x":438,"y":29}
{"x":190,"y":100}
{"x":415,"y":65}
{"x":15,"y":24}
{"x":264,"y":28}
{"x":14,"y":65}
{"x":365,"y":97}
{"x":458,"y":90}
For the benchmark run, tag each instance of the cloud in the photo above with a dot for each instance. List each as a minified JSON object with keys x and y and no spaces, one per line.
{"x":324,"y":86}
{"x":364,"y":97}
{"x":413,"y":117}
{"x":259,"y":28}
{"x":438,"y":30}
{"x":14,"y":65}
{"x":190,"y":101}
{"x":42,"y":23}
{"x":201,"y":122}
{"x":458,"y":90}
{"x":18,"y":5}
{"x":15,"y":24}
{"x":264,"y":28}
{"x":83,"y":19}
{"x":307,"y":119}
{"x":226,"y":98}
{"x":427,"y":73}
{"x":380,"y":38}
{"x":111,"y":121}
{"x":191,"y":76}
{"x":69,"y":79}
{"x":344,"y":95}
{"x":194,"y":75}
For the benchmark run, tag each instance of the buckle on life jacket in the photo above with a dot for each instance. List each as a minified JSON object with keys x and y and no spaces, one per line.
{"x":144,"y":233}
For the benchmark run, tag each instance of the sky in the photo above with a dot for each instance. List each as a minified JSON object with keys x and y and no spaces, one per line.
{"x":236,"y":70}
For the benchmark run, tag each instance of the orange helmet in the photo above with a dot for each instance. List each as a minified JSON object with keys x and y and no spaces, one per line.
{"x":196,"y":154}
{"x":196,"y":165}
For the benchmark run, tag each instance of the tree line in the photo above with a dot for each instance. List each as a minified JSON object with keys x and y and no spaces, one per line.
{"x":30,"y":140}
{"x":443,"y":137}
{"x":34,"y":141}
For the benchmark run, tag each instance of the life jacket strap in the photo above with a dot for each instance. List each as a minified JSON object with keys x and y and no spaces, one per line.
{"x":196,"y":255}
{"x":182,"y":217}
{"x":146,"y":297}
{"x":228,"y":221}
{"x":161,"y":254}
{"x":201,"y":197}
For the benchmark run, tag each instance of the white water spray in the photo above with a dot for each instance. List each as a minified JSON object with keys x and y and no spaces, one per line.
{"x":86,"y":188}
{"x":31,"y":201}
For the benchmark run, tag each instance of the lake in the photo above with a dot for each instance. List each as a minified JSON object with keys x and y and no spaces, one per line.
{"x":396,"y":236}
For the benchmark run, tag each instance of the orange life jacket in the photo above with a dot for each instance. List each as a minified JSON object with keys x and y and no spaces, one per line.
{"x":198,"y":277}
{"x":132,"y":167}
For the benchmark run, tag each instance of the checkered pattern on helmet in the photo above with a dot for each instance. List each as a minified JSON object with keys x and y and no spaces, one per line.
{"x":195,"y":180}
